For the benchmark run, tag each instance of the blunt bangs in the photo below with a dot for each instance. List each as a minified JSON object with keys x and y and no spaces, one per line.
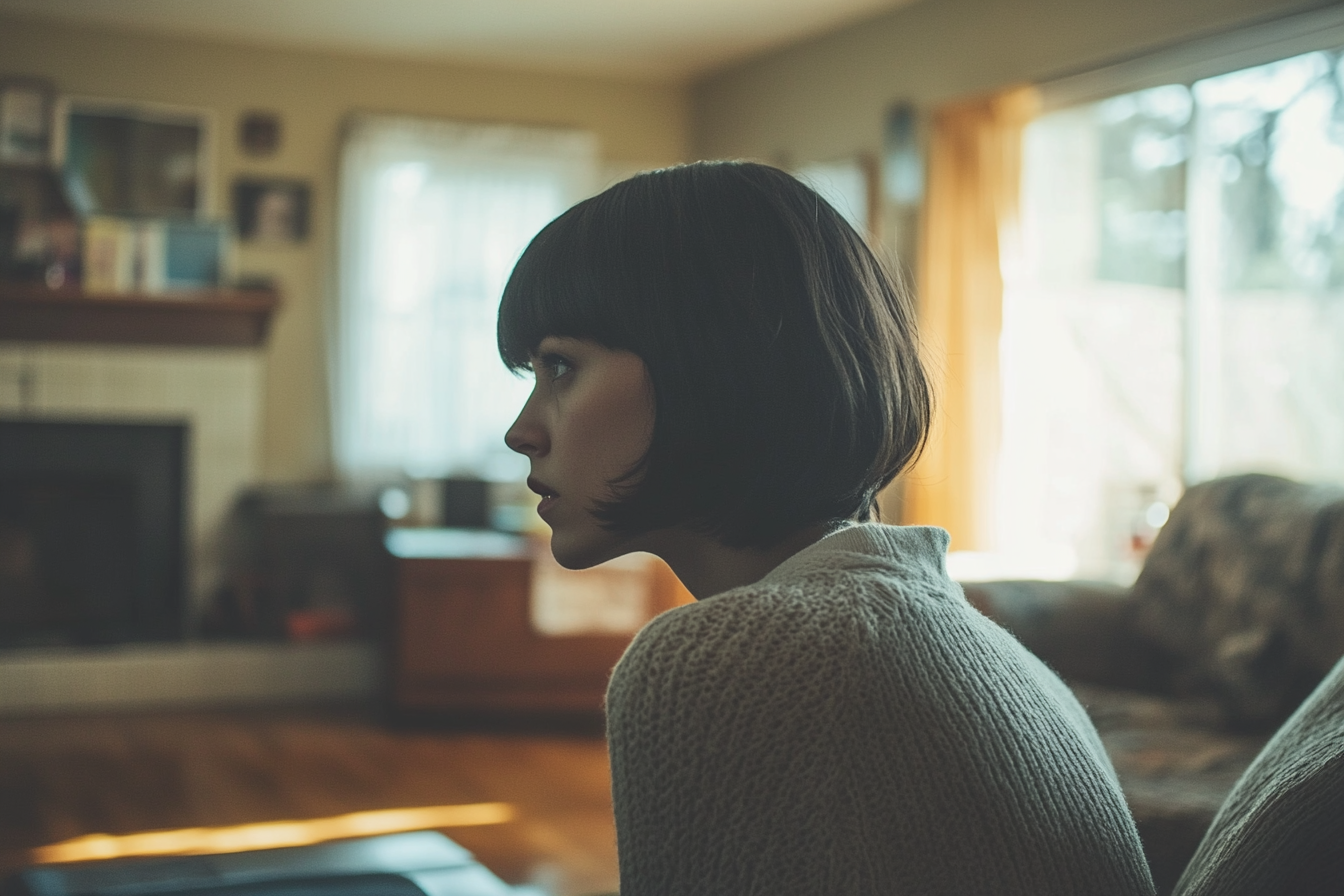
{"x":556,"y":288}
{"x":787,"y":382}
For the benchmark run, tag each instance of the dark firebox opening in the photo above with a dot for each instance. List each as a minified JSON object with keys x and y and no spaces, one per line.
{"x":90,"y":532}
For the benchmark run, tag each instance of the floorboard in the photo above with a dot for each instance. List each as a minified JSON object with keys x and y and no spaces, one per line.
{"x":118,"y":774}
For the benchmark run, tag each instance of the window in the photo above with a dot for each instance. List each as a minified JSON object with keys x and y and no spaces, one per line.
{"x":433,"y":217}
{"x":1176,"y":309}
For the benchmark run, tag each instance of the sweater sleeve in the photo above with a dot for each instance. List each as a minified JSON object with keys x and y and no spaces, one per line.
{"x":766,"y":744}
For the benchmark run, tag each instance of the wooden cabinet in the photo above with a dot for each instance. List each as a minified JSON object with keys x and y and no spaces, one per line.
{"x":465,"y":640}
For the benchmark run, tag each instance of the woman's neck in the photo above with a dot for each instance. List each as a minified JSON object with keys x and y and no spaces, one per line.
{"x":707,"y":567}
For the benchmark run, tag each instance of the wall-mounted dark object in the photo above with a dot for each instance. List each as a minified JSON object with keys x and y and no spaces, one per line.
{"x":259,"y":133}
{"x":903,"y":159}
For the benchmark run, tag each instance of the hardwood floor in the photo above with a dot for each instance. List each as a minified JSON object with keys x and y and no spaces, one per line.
{"x":117,"y":774}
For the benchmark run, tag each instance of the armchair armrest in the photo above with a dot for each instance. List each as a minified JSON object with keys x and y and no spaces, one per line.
{"x":1083,"y":630}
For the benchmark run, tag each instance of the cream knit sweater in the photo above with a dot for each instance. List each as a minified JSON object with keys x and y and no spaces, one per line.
{"x":850,"y":725}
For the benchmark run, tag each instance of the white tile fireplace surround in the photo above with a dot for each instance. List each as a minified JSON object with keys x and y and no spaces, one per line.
{"x":218,"y":393}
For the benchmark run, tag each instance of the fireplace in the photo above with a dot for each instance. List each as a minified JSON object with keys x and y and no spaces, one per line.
{"x":91,"y":532}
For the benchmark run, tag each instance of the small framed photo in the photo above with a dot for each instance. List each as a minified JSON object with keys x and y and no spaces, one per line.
{"x":26,"y":106}
{"x":271,"y":210}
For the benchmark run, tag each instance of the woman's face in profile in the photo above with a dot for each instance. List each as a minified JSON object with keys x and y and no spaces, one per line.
{"x":588,"y":421}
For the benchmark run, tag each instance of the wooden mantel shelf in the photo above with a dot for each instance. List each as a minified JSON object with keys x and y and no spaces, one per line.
{"x":34,"y":313}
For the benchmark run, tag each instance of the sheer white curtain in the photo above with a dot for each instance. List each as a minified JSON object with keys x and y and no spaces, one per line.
{"x":433,"y":216}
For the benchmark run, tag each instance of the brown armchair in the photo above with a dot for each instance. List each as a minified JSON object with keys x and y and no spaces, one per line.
{"x":1237,"y":614}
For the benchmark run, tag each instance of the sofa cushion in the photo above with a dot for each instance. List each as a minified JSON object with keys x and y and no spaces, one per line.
{"x":1244,"y":590}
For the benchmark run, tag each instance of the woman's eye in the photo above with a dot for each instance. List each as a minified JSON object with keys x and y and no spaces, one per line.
{"x":553,"y":366}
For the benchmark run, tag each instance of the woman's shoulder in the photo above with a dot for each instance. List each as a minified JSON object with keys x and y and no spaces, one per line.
{"x":848,"y":585}
{"x":860,"y":619}
{"x":870,"y":610}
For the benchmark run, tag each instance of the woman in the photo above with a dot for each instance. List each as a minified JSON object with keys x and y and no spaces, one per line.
{"x":725,"y":377}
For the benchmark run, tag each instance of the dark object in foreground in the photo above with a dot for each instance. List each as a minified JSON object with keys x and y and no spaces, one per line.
{"x":1280,"y":830}
{"x":424,"y":863}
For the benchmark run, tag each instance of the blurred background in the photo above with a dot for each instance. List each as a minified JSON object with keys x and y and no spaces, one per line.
{"x":263,"y":553}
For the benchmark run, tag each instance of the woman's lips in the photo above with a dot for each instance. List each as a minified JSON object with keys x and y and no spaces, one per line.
{"x":548,"y":495}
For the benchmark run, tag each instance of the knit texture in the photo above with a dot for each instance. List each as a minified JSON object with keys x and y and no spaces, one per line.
{"x":851,"y":725}
{"x":1281,"y":830}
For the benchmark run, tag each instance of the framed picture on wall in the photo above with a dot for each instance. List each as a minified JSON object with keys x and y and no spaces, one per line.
{"x":25,"y":121}
{"x":135,"y":159}
{"x":271,"y":210}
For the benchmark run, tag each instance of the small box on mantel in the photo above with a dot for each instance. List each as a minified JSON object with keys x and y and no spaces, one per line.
{"x":123,"y":255}
{"x":109,"y":255}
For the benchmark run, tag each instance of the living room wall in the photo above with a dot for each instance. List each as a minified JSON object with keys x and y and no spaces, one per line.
{"x":637,"y":125}
{"x":826,"y":98}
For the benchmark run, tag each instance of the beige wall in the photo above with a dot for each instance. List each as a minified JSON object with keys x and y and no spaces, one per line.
{"x":637,"y":124}
{"x":826,"y":98}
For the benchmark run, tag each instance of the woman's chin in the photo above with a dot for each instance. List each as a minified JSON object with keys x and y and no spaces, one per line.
{"x":585,"y":550}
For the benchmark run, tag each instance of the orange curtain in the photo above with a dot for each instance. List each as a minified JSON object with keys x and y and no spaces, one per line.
{"x":974,"y":171}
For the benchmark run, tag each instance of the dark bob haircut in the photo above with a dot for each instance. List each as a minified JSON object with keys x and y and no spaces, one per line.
{"x":785,"y":367}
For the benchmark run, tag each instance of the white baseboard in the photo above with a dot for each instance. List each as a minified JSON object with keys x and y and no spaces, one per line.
{"x":148,"y":676}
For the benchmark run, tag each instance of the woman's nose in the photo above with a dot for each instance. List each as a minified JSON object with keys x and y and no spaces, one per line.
{"x":527,"y":435}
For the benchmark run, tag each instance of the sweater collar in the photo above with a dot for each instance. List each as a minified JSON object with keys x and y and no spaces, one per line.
{"x":860,"y":544}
